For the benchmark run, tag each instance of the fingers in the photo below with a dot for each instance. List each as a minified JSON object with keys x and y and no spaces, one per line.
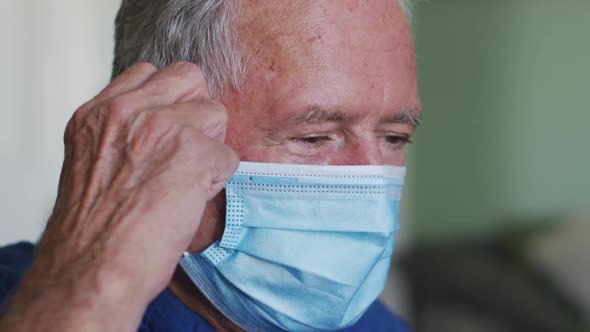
{"x":129,"y":80}
{"x":177,"y":83}
{"x":142,"y":159}
{"x":226,"y":165}
{"x":143,"y":110}
{"x":141,"y":87}
{"x":221,"y":162}
{"x":205,"y":115}
{"x":203,"y":124}
{"x":144,"y":86}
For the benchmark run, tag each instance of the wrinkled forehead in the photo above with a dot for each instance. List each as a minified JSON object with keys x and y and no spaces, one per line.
{"x":278,"y":34}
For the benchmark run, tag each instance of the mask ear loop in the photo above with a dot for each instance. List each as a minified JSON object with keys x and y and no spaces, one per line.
{"x":185,"y":254}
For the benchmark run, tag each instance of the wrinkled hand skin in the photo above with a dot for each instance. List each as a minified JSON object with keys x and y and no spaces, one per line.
{"x":142,"y":159}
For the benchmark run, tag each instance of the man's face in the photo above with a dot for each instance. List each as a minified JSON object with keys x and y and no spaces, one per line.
{"x":328,"y":82}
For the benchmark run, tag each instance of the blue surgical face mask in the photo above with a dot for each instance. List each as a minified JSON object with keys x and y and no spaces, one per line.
{"x":305,"y":248}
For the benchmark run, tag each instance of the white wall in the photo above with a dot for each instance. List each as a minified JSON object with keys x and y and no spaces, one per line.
{"x":55,"y":55}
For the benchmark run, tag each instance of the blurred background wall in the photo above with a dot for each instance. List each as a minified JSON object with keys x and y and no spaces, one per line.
{"x":500,"y":185}
{"x":55,"y":55}
{"x":504,"y":86}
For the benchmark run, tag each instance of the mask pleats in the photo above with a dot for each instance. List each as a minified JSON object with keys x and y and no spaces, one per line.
{"x":322,"y":213}
{"x":305,"y":247}
{"x":284,"y":291}
{"x":369,"y":290}
{"x":347,"y":260}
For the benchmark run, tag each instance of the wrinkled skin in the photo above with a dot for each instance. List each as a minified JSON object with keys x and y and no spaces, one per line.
{"x":142,"y":159}
{"x":328,"y":82}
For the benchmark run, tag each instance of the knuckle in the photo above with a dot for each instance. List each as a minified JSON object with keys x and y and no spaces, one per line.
{"x":186,"y":68}
{"x":70,"y":131}
{"x":190,"y":77}
{"x":211,"y":118}
{"x":118,"y":109}
{"x":233,"y":158}
{"x":196,"y":145}
{"x":76,"y":121}
{"x":219,"y":110}
{"x":138,"y":69}
{"x":191,"y":136}
{"x":223,"y":152}
{"x":191,"y":72}
{"x":227,"y":160}
{"x":158,"y":122}
{"x":143,"y":67}
{"x":78,"y":116}
{"x":213,"y":107}
{"x":83,"y":109}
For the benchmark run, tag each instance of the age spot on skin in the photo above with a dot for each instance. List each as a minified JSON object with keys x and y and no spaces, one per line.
{"x":272,"y":66}
{"x":314,"y":38}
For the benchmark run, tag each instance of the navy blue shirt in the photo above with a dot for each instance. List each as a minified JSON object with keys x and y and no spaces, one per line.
{"x":166,"y":312}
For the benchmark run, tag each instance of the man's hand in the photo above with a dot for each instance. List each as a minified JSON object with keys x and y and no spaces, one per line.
{"x":142,"y":159}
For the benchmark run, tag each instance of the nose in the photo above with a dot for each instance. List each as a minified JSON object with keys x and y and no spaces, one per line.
{"x":362,"y":152}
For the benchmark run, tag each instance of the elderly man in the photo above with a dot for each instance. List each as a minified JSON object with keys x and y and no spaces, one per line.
{"x":312,"y":102}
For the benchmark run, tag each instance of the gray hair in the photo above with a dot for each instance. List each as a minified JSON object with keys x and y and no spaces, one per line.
{"x":166,"y":31}
{"x":200,"y":31}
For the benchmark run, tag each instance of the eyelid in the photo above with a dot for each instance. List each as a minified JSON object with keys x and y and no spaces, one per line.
{"x":308,"y":138}
{"x":404,"y":138}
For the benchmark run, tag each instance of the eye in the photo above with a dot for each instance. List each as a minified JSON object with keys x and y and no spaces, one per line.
{"x":313,"y":141}
{"x":397,"y":141}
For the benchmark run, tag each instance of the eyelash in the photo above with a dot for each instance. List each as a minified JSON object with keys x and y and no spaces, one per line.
{"x":313,"y":141}
{"x":317,"y":141}
{"x":398,"y":141}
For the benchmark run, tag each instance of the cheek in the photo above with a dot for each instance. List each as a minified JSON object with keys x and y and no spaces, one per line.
{"x":396,"y":160}
{"x":393,"y":157}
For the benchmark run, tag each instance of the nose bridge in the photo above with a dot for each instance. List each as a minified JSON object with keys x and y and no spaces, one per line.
{"x":364,"y":151}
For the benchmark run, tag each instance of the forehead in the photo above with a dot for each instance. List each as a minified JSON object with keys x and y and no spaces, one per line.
{"x":332,"y":50}
{"x":292,"y":32}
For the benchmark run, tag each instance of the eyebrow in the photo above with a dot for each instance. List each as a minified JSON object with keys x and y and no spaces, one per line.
{"x":315,"y":114}
{"x":412,"y":118}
